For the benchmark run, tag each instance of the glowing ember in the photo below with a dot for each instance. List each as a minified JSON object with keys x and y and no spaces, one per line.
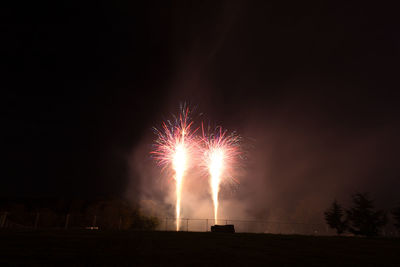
{"x":219,"y":154}
{"x":173,"y":147}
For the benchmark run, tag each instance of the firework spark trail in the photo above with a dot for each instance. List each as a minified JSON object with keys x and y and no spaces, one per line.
{"x":173,"y":147}
{"x":179,"y":166}
{"x":216,"y":167}
{"x":220,"y":151}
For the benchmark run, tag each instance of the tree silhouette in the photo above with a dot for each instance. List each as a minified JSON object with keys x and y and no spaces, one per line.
{"x":333,"y":217}
{"x":396,"y":216}
{"x":363,"y":218}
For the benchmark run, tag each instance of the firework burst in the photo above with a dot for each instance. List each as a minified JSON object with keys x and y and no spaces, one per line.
{"x":220,"y":151}
{"x":173,"y":148}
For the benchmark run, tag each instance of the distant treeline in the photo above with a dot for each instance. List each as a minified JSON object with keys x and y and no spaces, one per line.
{"x":362,"y":218}
{"x":104,"y":213}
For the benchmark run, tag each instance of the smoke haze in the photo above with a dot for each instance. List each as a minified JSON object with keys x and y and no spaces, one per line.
{"x":313,"y":128}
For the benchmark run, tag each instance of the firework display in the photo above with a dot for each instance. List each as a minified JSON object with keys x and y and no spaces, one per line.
{"x":220,"y":150}
{"x":215,"y":151}
{"x":173,"y":148}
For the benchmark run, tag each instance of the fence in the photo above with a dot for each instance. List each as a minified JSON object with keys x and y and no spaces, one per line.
{"x":89,"y":221}
{"x":49,"y":220}
{"x":247,"y":226}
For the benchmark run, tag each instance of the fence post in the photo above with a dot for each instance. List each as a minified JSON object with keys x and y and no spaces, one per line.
{"x":37,"y":220}
{"x":94,"y":221}
{"x":66,"y":221}
{"x":3,"y":219}
{"x":187,"y":225}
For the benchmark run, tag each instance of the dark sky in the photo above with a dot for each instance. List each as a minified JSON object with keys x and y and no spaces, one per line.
{"x":83,"y":83}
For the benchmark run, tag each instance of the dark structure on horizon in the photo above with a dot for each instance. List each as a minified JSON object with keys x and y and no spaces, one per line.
{"x":228,"y":228}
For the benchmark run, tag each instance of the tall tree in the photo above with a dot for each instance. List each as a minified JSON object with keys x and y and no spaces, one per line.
{"x":333,"y":217}
{"x":363,"y":218}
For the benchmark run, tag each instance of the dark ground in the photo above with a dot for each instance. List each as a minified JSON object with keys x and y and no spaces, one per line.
{"x":191,"y":249}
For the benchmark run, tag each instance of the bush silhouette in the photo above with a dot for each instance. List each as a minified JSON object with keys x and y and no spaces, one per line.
{"x":396,"y":217}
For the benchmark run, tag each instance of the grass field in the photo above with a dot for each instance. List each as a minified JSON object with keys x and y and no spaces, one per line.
{"x":131,"y":248}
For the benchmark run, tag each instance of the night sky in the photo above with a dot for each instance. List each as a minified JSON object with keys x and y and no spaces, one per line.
{"x":315,"y":84}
